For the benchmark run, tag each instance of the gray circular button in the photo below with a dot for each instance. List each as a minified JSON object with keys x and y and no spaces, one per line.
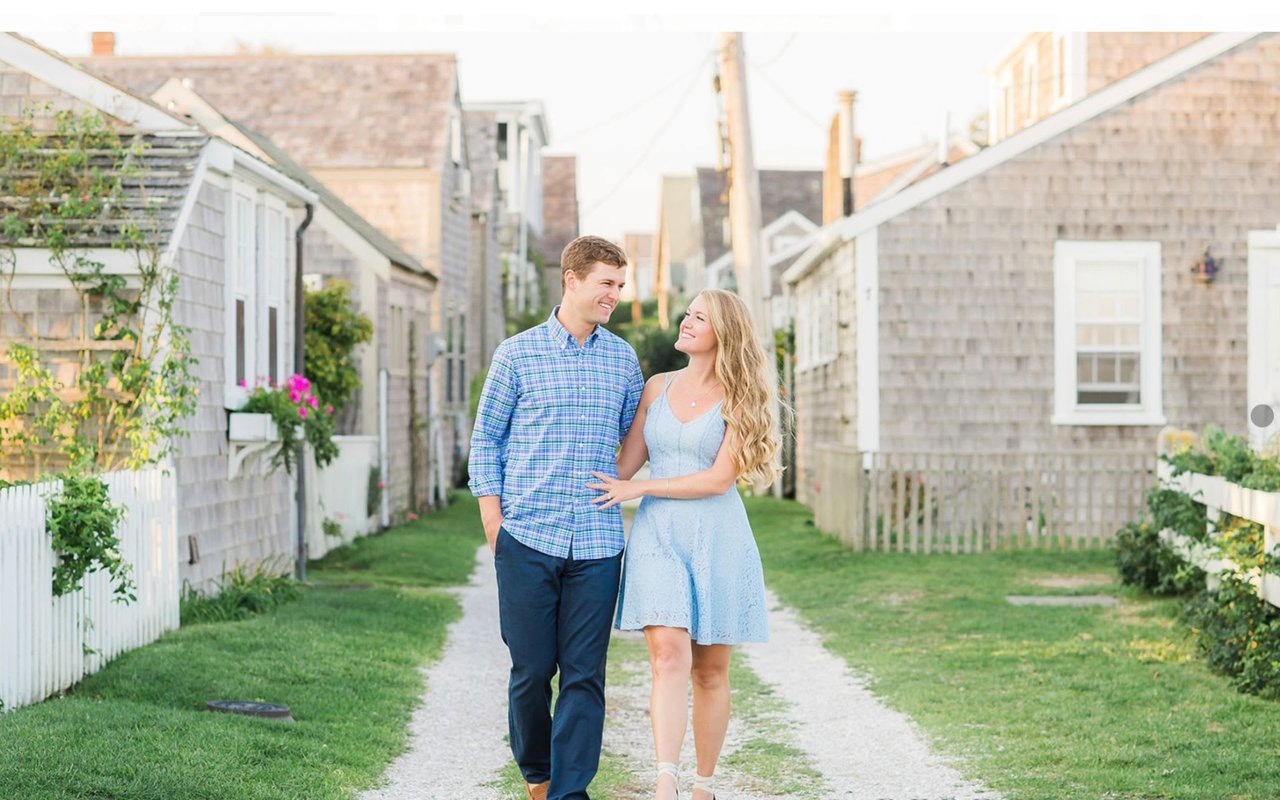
{"x":1262,"y":415}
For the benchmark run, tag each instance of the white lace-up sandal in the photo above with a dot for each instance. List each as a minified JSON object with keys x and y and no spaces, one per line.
{"x":668,"y":768}
{"x":705,"y":783}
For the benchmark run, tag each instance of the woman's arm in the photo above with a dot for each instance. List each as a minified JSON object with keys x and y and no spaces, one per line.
{"x":714,"y":480}
{"x":634,"y":452}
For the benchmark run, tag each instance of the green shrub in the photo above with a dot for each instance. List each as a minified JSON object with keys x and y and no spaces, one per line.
{"x":241,"y":593}
{"x":333,"y":329}
{"x":1145,"y":561}
{"x":1239,"y":635}
{"x":656,"y":349}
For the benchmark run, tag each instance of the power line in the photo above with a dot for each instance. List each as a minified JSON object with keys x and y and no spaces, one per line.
{"x":781,"y":92}
{"x":652,"y":142}
{"x":778,"y":54}
{"x":631,"y":108}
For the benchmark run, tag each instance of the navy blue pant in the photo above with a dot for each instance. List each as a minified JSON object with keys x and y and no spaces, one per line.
{"x":556,"y":613}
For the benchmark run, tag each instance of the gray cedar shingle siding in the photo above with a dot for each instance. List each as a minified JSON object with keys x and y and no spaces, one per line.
{"x":966,"y":278}
{"x":242,"y":520}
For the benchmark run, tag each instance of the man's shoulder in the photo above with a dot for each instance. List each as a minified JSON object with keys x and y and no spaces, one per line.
{"x":614,"y":342}
{"x":523,"y":341}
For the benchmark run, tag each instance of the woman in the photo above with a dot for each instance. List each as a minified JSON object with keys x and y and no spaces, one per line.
{"x":691,"y":575}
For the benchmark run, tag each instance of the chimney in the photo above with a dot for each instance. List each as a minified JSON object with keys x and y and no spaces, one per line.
{"x":944,"y":144}
{"x":848,"y":149}
{"x":104,"y":44}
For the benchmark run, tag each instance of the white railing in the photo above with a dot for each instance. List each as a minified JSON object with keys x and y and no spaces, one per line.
{"x":48,"y":644}
{"x":1219,"y":496}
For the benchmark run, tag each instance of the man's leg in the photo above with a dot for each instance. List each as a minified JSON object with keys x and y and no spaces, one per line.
{"x":588,"y":594}
{"x":528,"y":605}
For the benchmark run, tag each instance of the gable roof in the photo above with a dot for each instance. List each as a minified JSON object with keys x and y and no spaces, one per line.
{"x":155,"y":180}
{"x":1104,"y":100}
{"x":327,"y":111}
{"x":383,"y":243}
{"x":781,"y":190}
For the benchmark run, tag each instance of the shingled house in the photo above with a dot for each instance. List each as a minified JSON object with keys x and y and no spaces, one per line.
{"x":385,"y":282}
{"x":385,"y":134}
{"x":225,"y":221}
{"x":1092,"y":276}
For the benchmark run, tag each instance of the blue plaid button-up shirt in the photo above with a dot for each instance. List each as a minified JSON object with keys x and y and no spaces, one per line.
{"x":551,"y":413}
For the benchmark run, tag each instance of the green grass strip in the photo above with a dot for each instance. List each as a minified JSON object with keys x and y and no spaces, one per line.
{"x":1041,"y":702}
{"x":345,"y":658}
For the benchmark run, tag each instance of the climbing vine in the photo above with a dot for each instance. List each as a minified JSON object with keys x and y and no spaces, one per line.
{"x":112,"y":396}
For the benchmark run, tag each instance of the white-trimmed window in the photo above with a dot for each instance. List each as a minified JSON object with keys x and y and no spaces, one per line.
{"x":1031,"y":88}
{"x":256,"y":291}
{"x":1059,"y":69}
{"x":1107,"y":345}
{"x":273,"y":266}
{"x":816,"y":325}
{"x":241,"y":291}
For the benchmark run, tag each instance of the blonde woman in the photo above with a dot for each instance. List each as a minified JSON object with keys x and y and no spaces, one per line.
{"x":692,"y":579}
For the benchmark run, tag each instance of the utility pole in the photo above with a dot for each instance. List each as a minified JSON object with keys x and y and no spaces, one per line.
{"x":754,"y":283}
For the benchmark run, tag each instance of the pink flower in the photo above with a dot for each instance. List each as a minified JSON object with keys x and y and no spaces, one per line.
{"x":328,"y":409}
{"x":382,"y":484}
{"x":295,"y":396}
{"x":243,"y":384}
{"x":412,"y":516}
{"x":313,"y":401}
{"x":302,"y":411}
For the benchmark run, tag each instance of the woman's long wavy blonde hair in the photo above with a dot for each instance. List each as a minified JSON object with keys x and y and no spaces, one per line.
{"x":750,"y":398}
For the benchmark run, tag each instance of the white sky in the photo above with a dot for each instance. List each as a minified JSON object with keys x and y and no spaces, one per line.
{"x":631,"y":96}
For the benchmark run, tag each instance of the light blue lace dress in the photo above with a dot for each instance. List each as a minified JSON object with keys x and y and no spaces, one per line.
{"x":691,"y":563}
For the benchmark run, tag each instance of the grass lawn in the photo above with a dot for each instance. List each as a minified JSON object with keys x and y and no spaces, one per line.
{"x":1041,"y":702}
{"x":345,"y":658}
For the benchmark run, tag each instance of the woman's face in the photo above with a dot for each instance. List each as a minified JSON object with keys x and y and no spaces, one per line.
{"x":696,"y":334}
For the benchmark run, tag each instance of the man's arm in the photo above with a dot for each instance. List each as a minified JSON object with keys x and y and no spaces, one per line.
{"x":488,"y":437}
{"x":635,"y":388}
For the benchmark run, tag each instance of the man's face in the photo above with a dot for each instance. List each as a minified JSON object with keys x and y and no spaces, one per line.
{"x":594,"y":297}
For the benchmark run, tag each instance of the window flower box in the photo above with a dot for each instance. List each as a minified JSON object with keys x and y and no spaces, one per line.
{"x":245,"y":426}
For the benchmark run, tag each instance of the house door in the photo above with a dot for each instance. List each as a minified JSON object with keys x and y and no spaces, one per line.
{"x":1264,"y":336}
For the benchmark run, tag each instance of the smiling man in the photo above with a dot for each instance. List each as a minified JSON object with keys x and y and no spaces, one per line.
{"x":557,"y":401}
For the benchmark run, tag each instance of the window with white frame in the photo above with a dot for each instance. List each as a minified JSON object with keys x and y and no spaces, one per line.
{"x":273,"y":266}
{"x":241,"y":286}
{"x":398,"y":340}
{"x":1107,"y":333}
{"x":256,"y":291}
{"x":816,"y":325}
{"x":1030,"y":80}
{"x":1059,"y":67}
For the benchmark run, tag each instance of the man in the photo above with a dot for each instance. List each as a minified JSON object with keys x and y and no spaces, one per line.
{"x":558,"y":400}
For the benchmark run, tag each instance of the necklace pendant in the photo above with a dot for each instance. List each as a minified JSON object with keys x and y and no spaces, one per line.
{"x":694,"y":404}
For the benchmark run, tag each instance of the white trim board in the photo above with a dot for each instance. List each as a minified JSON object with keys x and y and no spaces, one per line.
{"x":867,"y":286}
{"x":1262,"y":333}
{"x":1104,"y":100}
{"x":65,"y":76}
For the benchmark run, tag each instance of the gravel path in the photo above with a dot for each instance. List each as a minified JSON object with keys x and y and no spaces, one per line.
{"x":864,"y":750}
{"x":458,"y":733}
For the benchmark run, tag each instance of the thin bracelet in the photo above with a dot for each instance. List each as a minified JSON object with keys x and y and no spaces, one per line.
{"x":668,"y":488}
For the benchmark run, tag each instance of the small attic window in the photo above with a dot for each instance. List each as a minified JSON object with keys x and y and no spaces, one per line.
{"x":502,"y":141}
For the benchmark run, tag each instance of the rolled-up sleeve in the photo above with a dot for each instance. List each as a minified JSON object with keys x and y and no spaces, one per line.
{"x":492,"y":426}
{"x":635,"y":388}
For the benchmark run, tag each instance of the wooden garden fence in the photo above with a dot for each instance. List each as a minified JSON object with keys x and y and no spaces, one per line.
{"x":970,"y":502}
{"x":47,"y":643}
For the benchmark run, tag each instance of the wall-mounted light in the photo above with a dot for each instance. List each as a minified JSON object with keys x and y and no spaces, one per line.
{"x":1205,"y":268}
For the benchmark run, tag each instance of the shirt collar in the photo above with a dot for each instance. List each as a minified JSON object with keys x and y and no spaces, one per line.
{"x":560,"y":334}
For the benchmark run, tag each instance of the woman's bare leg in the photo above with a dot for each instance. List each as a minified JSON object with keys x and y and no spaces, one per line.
{"x":670,"y":660}
{"x":710,"y":673}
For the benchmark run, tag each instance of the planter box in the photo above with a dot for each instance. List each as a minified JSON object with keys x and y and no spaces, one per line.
{"x":246,"y":427}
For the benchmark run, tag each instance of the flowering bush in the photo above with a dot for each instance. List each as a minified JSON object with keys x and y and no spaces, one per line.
{"x":297,"y":413}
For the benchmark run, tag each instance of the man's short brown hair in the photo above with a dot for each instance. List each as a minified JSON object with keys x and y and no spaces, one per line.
{"x":583,"y":253}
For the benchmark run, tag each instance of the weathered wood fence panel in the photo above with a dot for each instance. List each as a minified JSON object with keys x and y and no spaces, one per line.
{"x":970,"y":502}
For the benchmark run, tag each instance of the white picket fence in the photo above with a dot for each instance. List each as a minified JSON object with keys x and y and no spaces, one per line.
{"x":48,"y":644}
{"x":1218,"y":496}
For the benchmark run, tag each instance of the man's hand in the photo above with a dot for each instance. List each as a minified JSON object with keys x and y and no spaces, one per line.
{"x":491,"y":518}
